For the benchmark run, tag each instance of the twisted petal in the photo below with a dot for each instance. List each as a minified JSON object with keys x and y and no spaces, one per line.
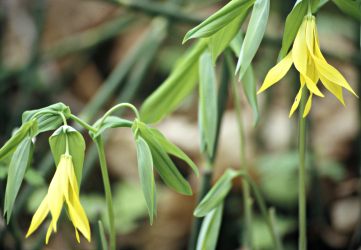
{"x":76,"y":211}
{"x":308,"y":106}
{"x":300,"y":57}
{"x":336,"y":90}
{"x":38,"y":217}
{"x":277,"y":72}
{"x":297,"y":100}
{"x":325,"y":70}
{"x":48,"y":232}
{"x":56,"y":191}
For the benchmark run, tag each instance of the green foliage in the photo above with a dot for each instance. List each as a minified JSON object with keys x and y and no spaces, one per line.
{"x":249,"y":83}
{"x":208,"y":235}
{"x":216,"y":195}
{"x":28,"y":128}
{"x":146,"y":176}
{"x":255,"y":32}
{"x":220,"y":40}
{"x":162,"y":162}
{"x":172,"y":149}
{"x":176,"y":87}
{"x":349,"y":7}
{"x":207,"y":102}
{"x":76,"y":147}
{"x":293,"y":22}
{"x":220,"y":19}
{"x":110,"y":122}
{"x":48,"y":118}
{"x":17,"y":167}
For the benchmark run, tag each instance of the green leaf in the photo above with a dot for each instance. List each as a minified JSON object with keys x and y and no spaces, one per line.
{"x":162,"y":162}
{"x":208,"y":235}
{"x":110,"y":122}
{"x":76,"y":147}
{"x":17,"y":137}
{"x":254,"y":35}
{"x":146,"y":175}
{"x":219,"y":19}
{"x":3,"y":172}
{"x":250,"y":89}
{"x":349,"y":7}
{"x":221,"y":39}
{"x":172,"y":149}
{"x":18,"y":165}
{"x":208,"y":106}
{"x":175,"y":88}
{"x":48,"y":117}
{"x":216,"y":195}
{"x":249,"y":83}
{"x":293,"y":22}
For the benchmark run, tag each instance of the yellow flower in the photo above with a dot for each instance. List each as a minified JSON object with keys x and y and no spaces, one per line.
{"x":63,"y":187}
{"x":312,"y":66}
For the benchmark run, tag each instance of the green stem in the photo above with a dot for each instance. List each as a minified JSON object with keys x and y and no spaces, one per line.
{"x":107,"y":189}
{"x":118,"y":106}
{"x":83,"y":123}
{"x":262,"y":205}
{"x":206,"y":179}
{"x":247,"y":200}
{"x":302,"y":174}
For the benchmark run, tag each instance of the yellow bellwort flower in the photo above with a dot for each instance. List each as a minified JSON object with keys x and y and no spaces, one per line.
{"x":312,"y":66}
{"x":63,"y":188}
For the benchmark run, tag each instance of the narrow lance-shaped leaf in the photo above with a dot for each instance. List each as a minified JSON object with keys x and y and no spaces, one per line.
{"x":216,"y":195}
{"x":176,"y":87}
{"x":208,"y":101}
{"x":17,"y":137}
{"x":208,"y":235}
{"x":349,"y":7}
{"x":219,"y":19}
{"x":76,"y":147}
{"x":17,"y":168}
{"x":254,"y":35}
{"x":172,"y":149}
{"x":162,"y":162}
{"x":249,"y":83}
{"x":146,"y":175}
{"x":219,"y":41}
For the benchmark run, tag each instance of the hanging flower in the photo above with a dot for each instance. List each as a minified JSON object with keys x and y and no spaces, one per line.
{"x":63,"y":187}
{"x":312,"y":66}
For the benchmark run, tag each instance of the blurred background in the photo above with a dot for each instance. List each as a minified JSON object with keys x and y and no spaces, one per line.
{"x":91,"y":54}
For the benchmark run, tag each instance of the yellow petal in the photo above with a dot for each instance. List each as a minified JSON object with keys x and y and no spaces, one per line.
{"x":326,"y":70}
{"x":336,"y":90}
{"x":48,"y":233}
{"x":332,"y":74}
{"x":76,"y":211}
{"x":77,"y":236}
{"x":307,"y":106}
{"x":299,"y":49}
{"x":297,"y":100}
{"x":277,"y":72}
{"x":38,"y":217}
{"x":56,"y":192}
{"x":312,"y":87}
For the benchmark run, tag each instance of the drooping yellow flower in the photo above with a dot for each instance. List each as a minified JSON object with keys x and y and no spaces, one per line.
{"x":63,"y":188}
{"x":312,"y":66}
